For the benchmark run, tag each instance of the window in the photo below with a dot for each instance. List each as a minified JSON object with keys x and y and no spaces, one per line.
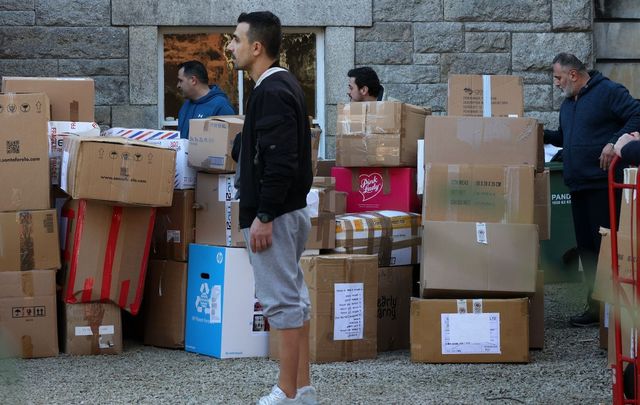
{"x":302,"y":53}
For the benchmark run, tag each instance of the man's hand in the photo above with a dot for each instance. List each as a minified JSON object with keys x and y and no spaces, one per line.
{"x":606,"y":156}
{"x":625,"y":139}
{"x":260,"y":235}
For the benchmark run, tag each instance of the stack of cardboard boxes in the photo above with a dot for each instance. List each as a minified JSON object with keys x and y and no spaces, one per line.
{"x":28,"y":225}
{"x":105,"y":228}
{"x":480,"y":242}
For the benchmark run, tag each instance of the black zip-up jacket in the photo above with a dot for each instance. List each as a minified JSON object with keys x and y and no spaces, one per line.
{"x":275,"y":157}
{"x":603,"y":111}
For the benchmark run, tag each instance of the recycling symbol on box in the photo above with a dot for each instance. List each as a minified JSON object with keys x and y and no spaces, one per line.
{"x":203,"y":301}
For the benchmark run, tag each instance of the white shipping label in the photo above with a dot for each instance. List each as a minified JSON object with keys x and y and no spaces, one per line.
{"x":173,"y":235}
{"x":481,"y":233}
{"x":470,"y":333}
{"x":83,"y":331}
{"x":102,"y":330}
{"x":106,"y":329}
{"x":348,"y":311}
{"x":64,"y":169}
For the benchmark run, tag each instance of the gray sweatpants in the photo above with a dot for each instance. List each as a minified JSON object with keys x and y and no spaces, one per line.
{"x":280,"y":285}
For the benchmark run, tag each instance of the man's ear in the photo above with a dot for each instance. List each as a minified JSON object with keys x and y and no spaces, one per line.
{"x":364,"y":90}
{"x":256,"y":48}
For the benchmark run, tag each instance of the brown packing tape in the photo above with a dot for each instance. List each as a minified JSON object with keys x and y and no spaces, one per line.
{"x":93,"y":315}
{"x":349,"y":229}
{"x":415,"y":225}
{"x":386,"y":240}
{"x":74,"y":111}
{"x":27,"y":257}
{"x":26,"y":283}
{"x":27,"y":346}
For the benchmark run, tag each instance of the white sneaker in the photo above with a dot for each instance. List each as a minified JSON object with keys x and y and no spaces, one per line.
{"x":277,"y":397}
{"x":307,"y":395}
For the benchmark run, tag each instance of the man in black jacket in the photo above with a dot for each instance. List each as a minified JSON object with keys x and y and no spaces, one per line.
{"x":275,"y":177}
{"x":594,"y":114}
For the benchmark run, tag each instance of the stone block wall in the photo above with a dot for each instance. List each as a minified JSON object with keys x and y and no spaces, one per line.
{"x":413,"y":44}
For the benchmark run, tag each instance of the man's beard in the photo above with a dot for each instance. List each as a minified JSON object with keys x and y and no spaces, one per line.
{"x":567,"y":92}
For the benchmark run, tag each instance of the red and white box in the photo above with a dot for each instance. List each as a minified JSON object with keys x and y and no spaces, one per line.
{"x":105,"y":251}
{"x":378,"y":188}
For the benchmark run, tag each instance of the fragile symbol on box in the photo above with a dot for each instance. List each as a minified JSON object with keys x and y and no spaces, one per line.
{"x":28,"y":312}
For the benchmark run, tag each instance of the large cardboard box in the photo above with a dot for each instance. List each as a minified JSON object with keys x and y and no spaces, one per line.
{"x":175,"y":228}
{"x":394,"y":299}
{"x":343,"y":291}
{"x":117,"y":170}
{"x":478,"y":258}
{"x":374,"y":189}
{"x":485,"y":96}
{"x":28,"y":320}
{"x":24,"y":156}
{"x":29,"y":240}
{"x":211,"y":142}
{"x":483,"y":141}
{"x":72,"y":98}
{"x":105,"y":252}
{"x":479,"y":193}
{"x":536,"y":314}
{"x":185,"y":177}
{"x":224,"y":318}
{"x":165,"y":300}
{"x":58,"y":130}
{"x":603,"y":327}
{"x":470,"y":331}
{"x":394,"y":236}
{"x":91,"y":328}
{"x":542,"y":204}
{"x":217,"y":211}
{"x":323,"y":232}
{"x":379,"y":133}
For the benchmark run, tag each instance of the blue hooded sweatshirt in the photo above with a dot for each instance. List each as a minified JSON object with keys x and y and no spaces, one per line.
{"x":215,"y":102}
{"x":602,"y":112}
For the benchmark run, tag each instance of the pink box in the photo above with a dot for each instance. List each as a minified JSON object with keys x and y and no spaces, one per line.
{"x":378,"y":188}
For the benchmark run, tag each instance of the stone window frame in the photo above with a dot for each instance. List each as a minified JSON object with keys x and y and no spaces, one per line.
{"x":319,"y":114}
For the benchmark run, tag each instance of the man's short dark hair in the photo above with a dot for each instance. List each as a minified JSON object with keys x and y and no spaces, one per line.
{"x":197,"y":69}
{"x":264,"y":27}
{"x":365,"y":76}
{"x":570,"y":61}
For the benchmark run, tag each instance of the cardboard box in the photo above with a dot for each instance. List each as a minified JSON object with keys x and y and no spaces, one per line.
{"x":117,"y":170}
{"x":341,"y":202}
{"x":479,"y":193}
{"x":224,"y":319}
{"x":343,"y":291}
{"x":627,"y":334}
{"x":175,"y":228}
{"x":321,"y":198}
{"x":323,"y":232}
{"x":542,"y":204}
{"x":603,"y":287}
{"x":485,"y":96}
{"x":394,"y":299}
{"x":72,"y":98}
{"x":185,"y":177}
{"x":470,"y":331}
{"x":211,"y":142}
{"x":316,"y":133}
{"x":165,"y":300}
{"x":24,"y":161}
{"x":105,"y":253}
{"x":29,"y":240}
{"x":58,"y":130}
{"x":91,"y":328}
{"x":28,"y":324}
{"x":478,"y":258}
{"x":217,"y":211}
{"x":603,"y":327}
{"x":483,"y":141}
{"x":324,"y":166}
{"x":536,"y":314}
{"x":379,"y":133}
{"x":374,"y":189}
{"x":394,"y":236}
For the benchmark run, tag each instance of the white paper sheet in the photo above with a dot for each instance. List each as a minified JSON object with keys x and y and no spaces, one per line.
{"x":348,"y":311}
{"x":470,"y":333}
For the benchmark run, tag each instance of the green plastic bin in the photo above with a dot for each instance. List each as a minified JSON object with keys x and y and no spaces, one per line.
{"x":558,"y":255}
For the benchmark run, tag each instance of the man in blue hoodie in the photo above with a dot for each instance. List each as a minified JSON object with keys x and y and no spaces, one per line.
{"x":202,"y":100}
{"x":594,"y":114}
